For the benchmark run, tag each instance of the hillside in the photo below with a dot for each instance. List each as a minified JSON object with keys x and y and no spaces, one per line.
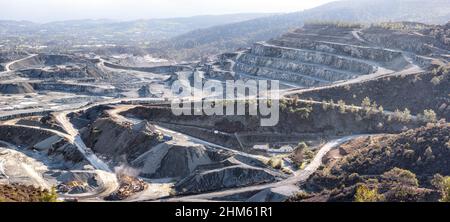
{"x":114,"y":33}
{"x":152,"y":28}
{"x":20,"y":193}
{"x":232,"y":36}
{"x":405,"y":167}
{"x":397,"y":92}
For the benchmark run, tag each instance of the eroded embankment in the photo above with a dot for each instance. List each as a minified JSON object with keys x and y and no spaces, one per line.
{"x":300,"y":118}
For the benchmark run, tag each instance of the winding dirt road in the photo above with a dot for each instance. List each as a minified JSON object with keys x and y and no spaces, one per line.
{"x":8,"y":65}
{"x":299,"y":177}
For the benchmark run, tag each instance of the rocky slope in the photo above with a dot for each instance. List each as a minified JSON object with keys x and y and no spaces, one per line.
{"x":230,"y":37}
{"x":322,"y":53}
{"x":419,"y":92}
{"x":16,"y":88}
{"x":296,"y":117}
{"x":130,"y":141}
{"x":223,"y":178}
{"x":404,"y":167}
{"x":172,"y":160}
{"x":21,"y":193}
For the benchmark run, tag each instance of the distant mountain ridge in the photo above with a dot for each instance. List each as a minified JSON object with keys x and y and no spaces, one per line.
{"x":231,"y":36}
{"x":152,"y":29}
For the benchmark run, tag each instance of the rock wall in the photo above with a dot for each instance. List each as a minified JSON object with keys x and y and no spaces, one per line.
{"x":16,"y":88}
{"x":75,"y":88}
{"x":229,"y":177}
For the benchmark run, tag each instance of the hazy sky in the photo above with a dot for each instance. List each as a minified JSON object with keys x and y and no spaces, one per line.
{"x":53,"y":10}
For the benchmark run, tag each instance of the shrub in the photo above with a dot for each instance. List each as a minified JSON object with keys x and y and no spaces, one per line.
{"x":400,"y":176}
{"x":436,"y":80}
{"x":404,"y":116}
{"x":302,"y":146}
{"x":275,"y":163}
{"x":353,"y":108}
{"x":429,"y":116}
{"x":299,"y":196}
{"x":446,"y":190}
{"x":50,"y":196}
{"x":304,"y":112}
{"x":366,"y":103}
{"x":337,"y":24}
{"x":302,"y":155}
{"x":409,"y":154}
{"x":325,"y":105}
{"x":404,"y":194}
{"x":365,"y":194}
{"x":429,"y":154}
{"x":342,"y":106}
{"x":308,"y":154}
{"x":442,"y":184}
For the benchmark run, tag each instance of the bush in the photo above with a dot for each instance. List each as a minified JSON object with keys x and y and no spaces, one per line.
{"x":442,"y":184}
{"x":405,"y":194}
{"x":429,"y":116}
{"x":337,"y":24}
{"x":325,"y":105}
{"x":429,"y":154}
{"x":302,"y":155}
{"x":299,"y":197}
{"x":366,"y":103}
{"x":302,"y":146}
{"x":436,"y":80}
{"x":446,"y":190}
{"x":365,"y":194}
{"x":399,"y":176}
{"x":275,"y":163}
{"x":342,"y":106}
{"x":303,"y":112}
{"x":51,"y":196}
{"x":404,"y":116}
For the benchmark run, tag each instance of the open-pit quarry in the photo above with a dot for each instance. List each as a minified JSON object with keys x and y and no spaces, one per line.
{"x":99,"y":128}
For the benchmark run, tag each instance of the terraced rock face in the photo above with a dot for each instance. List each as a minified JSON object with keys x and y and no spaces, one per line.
{"x":196,"y":167}
{"x":321,"y":54}
{"x":128,"y":143}
{"x":171,"y":160}
{"x":229,"y":177}
{"x":43,"y":141}
{"x":89,"y":89}
{"x":16,"y":88}
{"x":309,"y":57}
{"x":45,"y":60}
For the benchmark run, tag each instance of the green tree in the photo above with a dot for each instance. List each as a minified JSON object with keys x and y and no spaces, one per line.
{"x":406,"y":115}
{"x":50,"y":196}
{"x":342,"y":106}
{"x":446,"y":190}
{"x":429,"y":116}
{"x":443,"y":184}
{"x":365,"y":194}
{"x":325,"y":105}
{"x":436,"y":80}
{"x":366,"y":103}
{"x":400,"y":176}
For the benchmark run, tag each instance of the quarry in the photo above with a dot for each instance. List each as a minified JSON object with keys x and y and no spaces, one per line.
{"x":99,"y":127}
